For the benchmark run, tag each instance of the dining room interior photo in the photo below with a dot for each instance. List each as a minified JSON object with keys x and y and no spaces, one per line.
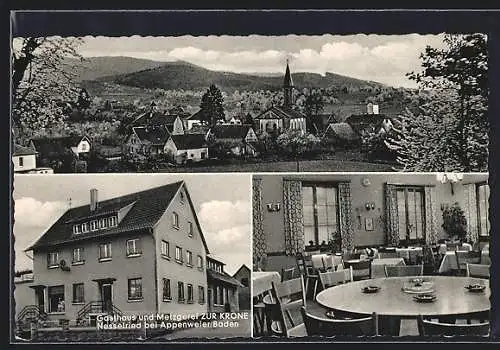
{"x":371,"y":254}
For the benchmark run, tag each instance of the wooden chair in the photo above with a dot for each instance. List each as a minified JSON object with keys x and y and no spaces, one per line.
{"x":478,"y":270}
{"x":317,"y":325}
{"x":429,"y":260}
{"x":464,"y":258}
{"x":360,"y":269}
{"x":288,"y":273}
{"x":430,"y":328}
{"x":289,"y":297}
{"x":333,"y":278}
{"x":403,"y":271}
{"x":388,"y":255}
{"x":306,"y":269}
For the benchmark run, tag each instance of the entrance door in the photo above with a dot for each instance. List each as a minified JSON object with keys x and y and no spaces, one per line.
{"x":210,"y":300}
{"x":107,"y":297}
{"x":40,"y":299}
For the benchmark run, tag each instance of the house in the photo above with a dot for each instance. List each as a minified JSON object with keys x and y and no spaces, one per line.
{"x":187,"y":148}
{"x":145,"y":141}
{"x":24,"y":160}
{"x":222,"y":288}
{"x":154,"y":119}
{"x":239,"y":138}
{"x":243,"y":276}
{"x":369,"y":123}
{"x":23,"y":292}
{"x":282,"y":118}
{"x":141,"y":253}
{"x":48,"y":147}
{"x":361,"y":210}
{"x":341,"y":134}
{"x":193,"y":120}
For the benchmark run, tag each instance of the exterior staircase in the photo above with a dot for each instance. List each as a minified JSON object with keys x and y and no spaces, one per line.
{"x":29,"y":314}
{"x":96,"y":307}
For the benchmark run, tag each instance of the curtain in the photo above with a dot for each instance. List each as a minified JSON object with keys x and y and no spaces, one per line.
{"x":345,"y":211}
{"x":431,"y":233}
{"x":471,"y":212}
{"x":292,"y":207}
{"x":259,"y":238}
{"x":391,"y":215}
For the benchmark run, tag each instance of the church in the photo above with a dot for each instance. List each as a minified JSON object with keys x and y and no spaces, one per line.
{"x":281,"y":118}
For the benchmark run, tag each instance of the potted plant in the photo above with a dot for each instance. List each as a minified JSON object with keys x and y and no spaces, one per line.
{"x":454,"y":222}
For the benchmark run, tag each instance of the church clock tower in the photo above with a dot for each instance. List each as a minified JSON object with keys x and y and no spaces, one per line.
{"x":288,"y":87}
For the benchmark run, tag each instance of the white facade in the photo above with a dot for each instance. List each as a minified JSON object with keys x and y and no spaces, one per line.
{"x":82,"y":147}
{"x":24,"y":163}
{"x":192,"y":122}
{"x":194,"y":155}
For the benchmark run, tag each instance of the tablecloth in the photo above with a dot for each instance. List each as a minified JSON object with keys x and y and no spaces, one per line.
{"x":449,"y":261}
{"x":261,"y":281}
{"x":378,"y":270}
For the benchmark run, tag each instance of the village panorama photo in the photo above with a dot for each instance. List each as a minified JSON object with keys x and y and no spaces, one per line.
{"x":131,"y":258}
{"x":293,"y":103}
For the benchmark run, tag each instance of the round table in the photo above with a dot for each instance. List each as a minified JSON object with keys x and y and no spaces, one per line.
{"x":390,"y":300}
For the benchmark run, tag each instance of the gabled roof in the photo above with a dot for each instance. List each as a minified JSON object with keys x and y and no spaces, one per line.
{"x":154,"y":118}
{"x":56,"y":145}
{"x":230,"y":131}
{"x":282,"y":112}
{"x":189,"y":141}
{"x":22,"y":151}
{"x":360,"y":122}
{"x":223,"y":277}
{"x":343,"y":131}
{"x":141,"y":218}
{"x":156,"y":136}
{"x":198,"y":129}
{"x":195,"y":116}
{"x":242,"y":267}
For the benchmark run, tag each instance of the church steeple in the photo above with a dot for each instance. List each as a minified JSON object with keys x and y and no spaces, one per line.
{"x":288,"y":87}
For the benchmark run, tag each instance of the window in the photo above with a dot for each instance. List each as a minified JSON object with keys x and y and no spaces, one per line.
{"x":78,"y":293}
{"x":244,"y":282}
{"x":56,"y":298}
{"x":483,"y":194}
{"x":53,"y":259}
{"x":190,"y":229}
{"x":84,"y":146}
{"x":135,"y":288}
{"x":411,"y":218}
{"x":167,"y":295}
{"x":189,"y":258}
{"x":203,"y":155}
{"x":226,"y":295}
{"x":78,"y":256}
{"x":93,"y":225}
{"x":165,"y":249}
{"x":21,"y":161}
{"x":200,"y":262}
{"x":77,"y":229}
{"x":134,"y":247}
{"x":103,"y":223}
{"x":85,"y":227}
{"x":180,"y":292}
{"x":175,"y":220}
{"x":112,"y":221}
{"x":178,"y":254}
{"x":190,"y":293}
{"x":201,"y":295}
{"x":320,"y":210}
{"x":181,"y":197}
{"x":104,"y":251}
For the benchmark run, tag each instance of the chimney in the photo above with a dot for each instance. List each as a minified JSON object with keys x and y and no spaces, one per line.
{"x":93,"y":199}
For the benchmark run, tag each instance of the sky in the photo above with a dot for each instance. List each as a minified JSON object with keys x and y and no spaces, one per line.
{"x":222,"y":203}
{"x":382,"y":58}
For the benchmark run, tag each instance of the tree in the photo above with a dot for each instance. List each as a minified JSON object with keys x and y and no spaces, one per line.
{"x":295,"y":143}
{"x":42,"y":81}
{"x":448,"y":131}
{"x":212,"y":106}
{"x":313,"y":105}
{"x":84,"y":100}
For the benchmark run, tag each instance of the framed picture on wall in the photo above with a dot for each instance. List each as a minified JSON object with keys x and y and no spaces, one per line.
{"x":369,"y":224}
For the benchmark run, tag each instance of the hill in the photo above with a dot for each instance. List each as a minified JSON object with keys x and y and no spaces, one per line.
{"x":183,"y":75}
{"x":92,"y":68}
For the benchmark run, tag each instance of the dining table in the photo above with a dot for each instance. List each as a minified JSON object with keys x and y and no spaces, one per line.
{"x":449,"y":261}
{"x":452,"y":297}
{"x":378,"y":265}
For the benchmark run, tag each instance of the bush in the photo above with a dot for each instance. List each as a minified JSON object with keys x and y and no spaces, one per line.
{"x":296,"y":143}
